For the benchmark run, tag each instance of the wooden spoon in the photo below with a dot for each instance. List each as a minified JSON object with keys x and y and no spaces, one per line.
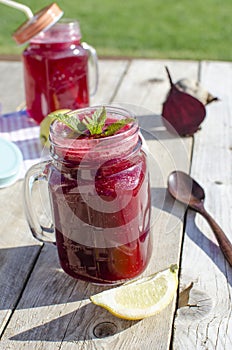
{"x":186,"y":190}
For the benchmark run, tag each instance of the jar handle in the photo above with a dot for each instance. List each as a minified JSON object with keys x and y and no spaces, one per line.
{"x":92,"y":56}
{"x":37,"y":173}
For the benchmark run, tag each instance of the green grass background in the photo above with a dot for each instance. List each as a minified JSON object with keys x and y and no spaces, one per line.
{"x":178,"y":29}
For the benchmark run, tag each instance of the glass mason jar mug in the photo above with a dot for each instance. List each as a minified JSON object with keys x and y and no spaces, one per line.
{"x":57,"y":67}
{"x":100,"y":198}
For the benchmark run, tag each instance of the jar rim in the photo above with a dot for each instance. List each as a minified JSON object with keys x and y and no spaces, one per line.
{"x":67,"y":20}
{"x":121,"y":142}
{"x":66,"y":30}
{"x":119,"y":111}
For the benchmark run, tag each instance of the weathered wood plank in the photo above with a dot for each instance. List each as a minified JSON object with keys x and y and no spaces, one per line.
{"x":54,"y":311}
{"x":111,"y":73}
{"x":11,"y":86}
{"x":206,"y":323}
{"x":18,"y":250}
{"x":146,"y":83}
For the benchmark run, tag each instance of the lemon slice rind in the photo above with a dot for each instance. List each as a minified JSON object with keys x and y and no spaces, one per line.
{"x":141,"y":298}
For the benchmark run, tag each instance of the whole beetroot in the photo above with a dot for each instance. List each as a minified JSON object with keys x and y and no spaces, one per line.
{"x":182,"y":111}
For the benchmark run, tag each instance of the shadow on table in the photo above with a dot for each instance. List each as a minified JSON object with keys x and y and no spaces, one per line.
{"x":192,"y":230}
{"x":70,"y":321}
{"x":209,"y":247}
{"x":56,"y":306}
{"x":152,"y":127}
{"x":36,"y":274}
{"x":45,"y":292}
{"x":86,"y":323}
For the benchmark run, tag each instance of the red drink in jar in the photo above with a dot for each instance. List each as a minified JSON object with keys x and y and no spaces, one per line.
{"x":56,"y":70}
{"x":100,"y":197}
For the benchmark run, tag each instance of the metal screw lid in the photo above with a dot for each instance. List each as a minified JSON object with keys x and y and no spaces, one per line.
{"x":41,"y":21}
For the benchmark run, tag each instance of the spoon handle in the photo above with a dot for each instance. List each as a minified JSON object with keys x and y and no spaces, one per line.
{"x":223,"y":241}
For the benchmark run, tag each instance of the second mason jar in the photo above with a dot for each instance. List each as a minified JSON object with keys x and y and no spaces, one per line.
{"x":56,"y":70}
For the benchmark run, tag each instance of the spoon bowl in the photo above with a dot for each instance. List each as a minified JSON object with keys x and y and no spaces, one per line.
{"x":186,"y":190}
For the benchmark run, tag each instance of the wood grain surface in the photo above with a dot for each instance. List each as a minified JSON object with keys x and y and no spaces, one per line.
{"x":43,"y":308}
{"x":205,"y":321}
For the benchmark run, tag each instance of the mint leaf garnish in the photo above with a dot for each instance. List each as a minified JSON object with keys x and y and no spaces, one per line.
{"x":92,"y":125}
{"x":96,"y":122}
{"x":114,"y":127}
{"x":72,"y":121}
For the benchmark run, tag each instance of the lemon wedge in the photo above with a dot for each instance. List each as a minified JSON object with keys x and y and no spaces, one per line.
{"x":45,"y":126}
{"x":142,"y":297}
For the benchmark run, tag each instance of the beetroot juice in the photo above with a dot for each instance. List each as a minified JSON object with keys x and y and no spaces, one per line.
{"x":56,"y":71}
{"x":98,"y":183}
{"x":100,"y":195}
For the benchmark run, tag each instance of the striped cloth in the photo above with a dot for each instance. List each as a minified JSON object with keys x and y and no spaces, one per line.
{"x":24,"y":132}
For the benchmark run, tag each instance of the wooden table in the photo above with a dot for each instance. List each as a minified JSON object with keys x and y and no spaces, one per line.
{"x":43,"y":308}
